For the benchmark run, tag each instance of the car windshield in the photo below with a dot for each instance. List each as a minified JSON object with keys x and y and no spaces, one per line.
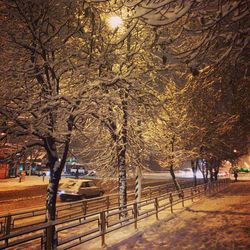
{"x":70,"y":185}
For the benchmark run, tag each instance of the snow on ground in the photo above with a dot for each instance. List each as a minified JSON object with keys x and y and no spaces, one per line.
{"x":29,"y":181}
{"x":219,"y":222}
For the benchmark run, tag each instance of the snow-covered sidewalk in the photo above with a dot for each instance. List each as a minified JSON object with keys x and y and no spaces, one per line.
{"x":218,"y":222}
{"x":28,"y":181}
{"x":14,"y":184}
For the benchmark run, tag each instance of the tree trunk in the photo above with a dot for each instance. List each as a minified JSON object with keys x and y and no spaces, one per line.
{"x":121,"y":156}
{"x":211,"y":175}
{"x":51,"y":196}
{"x":206,"y":175}
{"x":194,"y":169}
{"x":216,"y":176}
{"x":216,"y":169}
{"x":202,"y":167}
{"x":122,"y":182}
{"x":55,"y":176}
{"x":176,"y":184}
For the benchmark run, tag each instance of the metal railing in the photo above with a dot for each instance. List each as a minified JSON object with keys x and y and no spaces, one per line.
{"x":13,"y":222}
{"x":71,"y":232}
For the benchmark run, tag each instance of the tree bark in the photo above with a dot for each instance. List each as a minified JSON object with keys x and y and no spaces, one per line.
{"x":55,"y":176}
{"x":52,"y":189}
{"x":194,"y":169}
{"x":121,"y":155}
{"x":122,"y":181}
{"x":176,"y":184}
{"x":210,"y":169}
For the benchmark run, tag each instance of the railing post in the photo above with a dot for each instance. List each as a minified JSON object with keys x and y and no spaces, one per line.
{"x":7,"y":227}
{"x":84,"y":208}
{"x":182,"y":198}
{"x":49,"y":237}
{"x":135,"y":214}
{"x":103,"y":227}
{"x":171,"y":201}
{"x":156,"y":208}
{"x":8,"y":224}
{"x":107,"y":202}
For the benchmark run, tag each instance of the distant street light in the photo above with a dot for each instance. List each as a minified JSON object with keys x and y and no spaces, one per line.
{"x":114,"y":21}
{"x":235,"y":151}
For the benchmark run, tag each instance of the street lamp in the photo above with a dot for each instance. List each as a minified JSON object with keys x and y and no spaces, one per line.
{"x":114,"y":22}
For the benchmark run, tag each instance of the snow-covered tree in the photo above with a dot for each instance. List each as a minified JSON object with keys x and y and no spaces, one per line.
{"x":48,"y":78}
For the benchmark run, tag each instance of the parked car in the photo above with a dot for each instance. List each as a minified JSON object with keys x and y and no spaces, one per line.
{"x":79,"y":189}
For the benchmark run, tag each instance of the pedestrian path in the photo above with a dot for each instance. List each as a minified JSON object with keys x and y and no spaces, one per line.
{"x":179,"y":228}
{"x":219,"y":222}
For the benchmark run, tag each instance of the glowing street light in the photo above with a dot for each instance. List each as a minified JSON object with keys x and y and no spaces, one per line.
{"x":115,"y":22}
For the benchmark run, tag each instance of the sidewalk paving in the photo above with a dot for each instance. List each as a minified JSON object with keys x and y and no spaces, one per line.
{"x":219,"y":222}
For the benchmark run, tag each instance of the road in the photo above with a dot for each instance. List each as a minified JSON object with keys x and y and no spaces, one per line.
{"x":15,"y":196}
{"x":31,"y":193}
